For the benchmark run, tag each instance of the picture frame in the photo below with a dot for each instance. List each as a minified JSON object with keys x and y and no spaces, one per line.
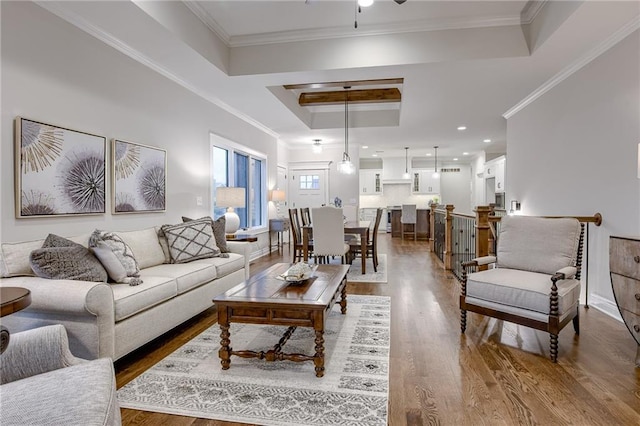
{"x":58,"y":171}
{"x":138,"y":176}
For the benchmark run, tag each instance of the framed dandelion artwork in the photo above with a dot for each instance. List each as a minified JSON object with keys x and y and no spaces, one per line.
{"x":139,"y":177}
{"x":58,"y":171}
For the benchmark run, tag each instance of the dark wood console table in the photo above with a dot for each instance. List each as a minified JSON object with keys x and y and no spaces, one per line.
{"x":12,"y":299}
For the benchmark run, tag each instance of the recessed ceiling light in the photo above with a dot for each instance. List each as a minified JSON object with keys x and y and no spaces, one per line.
{"x":465,"y":153}
{"x":374,"y":155}
{"x":462,"y":127}
{"x":486,"y":140}
{"x":365,"y":3}
{"x":428,"y":154}
{"x":365,"y":146}
{"x":455,"y":159}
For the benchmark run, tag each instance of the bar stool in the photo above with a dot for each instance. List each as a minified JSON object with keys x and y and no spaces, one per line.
{"x":408,"y":217}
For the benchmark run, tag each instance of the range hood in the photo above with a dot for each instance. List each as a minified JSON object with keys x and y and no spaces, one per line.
{"x":392,"y":171}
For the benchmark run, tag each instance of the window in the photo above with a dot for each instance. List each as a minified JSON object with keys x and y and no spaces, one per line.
{"x":237,"y":166}
{"x":309,"y":182}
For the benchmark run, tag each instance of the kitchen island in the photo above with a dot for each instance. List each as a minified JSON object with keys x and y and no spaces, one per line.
{"x":422,"y":223}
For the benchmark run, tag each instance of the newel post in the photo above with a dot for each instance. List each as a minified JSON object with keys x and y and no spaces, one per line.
{"x":483,"y":232}
{"x":448,"y":237}
{"x":432,"y":226}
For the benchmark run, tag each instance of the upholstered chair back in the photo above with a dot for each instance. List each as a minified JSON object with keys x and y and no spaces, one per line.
{"x":328,"y":231}
{"x":408,"y":213}
{"x":536,"y":244}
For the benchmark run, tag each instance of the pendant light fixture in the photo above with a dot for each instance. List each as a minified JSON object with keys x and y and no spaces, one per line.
{"x":406,"y":163}
{"x":436,"y":175}
{"x":346,"y":166}
{"x":317,"y":148}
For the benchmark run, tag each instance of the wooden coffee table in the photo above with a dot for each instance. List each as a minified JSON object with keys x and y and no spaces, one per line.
{"x":264,"y":299}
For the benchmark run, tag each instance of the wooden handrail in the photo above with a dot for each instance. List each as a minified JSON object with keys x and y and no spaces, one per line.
{"x":596,"y":219}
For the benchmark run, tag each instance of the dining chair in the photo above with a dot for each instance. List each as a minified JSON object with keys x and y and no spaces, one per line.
{"x":306,"y":216}
{"x":372,"y":243}
{"x":409,"y":217}
{"x":328,"y":231}
{"x":296,"y":231}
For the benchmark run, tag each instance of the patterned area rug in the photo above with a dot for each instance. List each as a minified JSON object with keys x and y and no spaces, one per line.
{"x":355,"y":272}
{"x":353,"y":391}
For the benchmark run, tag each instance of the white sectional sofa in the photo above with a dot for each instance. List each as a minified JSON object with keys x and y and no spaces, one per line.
{"x":111,"y":320}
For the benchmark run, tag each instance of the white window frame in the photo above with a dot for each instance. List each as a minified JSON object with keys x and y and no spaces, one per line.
{"x":232,"y":148}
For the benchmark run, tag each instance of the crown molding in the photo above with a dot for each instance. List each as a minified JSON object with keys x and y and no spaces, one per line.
{"x":531,"y":11}
{"x":607,"y":44}
{"x":208,"y":20}
{"x":105,"y":37}
{"x":368,"y":30}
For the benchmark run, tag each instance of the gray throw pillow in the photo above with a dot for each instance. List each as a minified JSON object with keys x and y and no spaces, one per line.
{"x":218,"y":226}
{"x":62,"y":259}
{"x":116,"y":257}
{"x":190,"y":241}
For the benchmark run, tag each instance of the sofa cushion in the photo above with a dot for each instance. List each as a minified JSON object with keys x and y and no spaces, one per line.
{"x":521,"y":289}
{"x":62,"y":259}
{"x":116,"y":256}
{"x":129,"y":300}
{"x":145,"y":246}
{"x":14,"y":258}
{"x":190,"y":241}
{"x":537,"y":244}
{"x":187,"y":275}
{"x":225,"y":266}
{"x":219,"y":233}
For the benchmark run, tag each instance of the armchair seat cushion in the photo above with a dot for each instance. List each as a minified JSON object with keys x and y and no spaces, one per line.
{"x":521,"y":289}
{"x":83,"y":394}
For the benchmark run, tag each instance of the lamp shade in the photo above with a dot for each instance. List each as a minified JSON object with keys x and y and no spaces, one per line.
{"x":278,"y":195}
{"x":230,"y":197}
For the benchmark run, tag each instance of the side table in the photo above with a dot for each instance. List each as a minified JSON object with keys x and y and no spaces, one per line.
{"x":12,"y":299}
{"x":279,"y":226}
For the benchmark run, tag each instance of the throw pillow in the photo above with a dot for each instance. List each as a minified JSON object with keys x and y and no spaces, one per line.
{"x":218,"y":226}
{"x":62,"y":259}
{"x":116,"y":257}
{"x":190,"y":241}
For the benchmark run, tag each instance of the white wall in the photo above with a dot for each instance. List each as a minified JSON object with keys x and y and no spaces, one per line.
{"x":56,"y":73}
{"x":342,"y":186}
{"x":573,"y":151}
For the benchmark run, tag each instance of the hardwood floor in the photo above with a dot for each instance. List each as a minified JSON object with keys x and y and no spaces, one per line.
{"x":495,"y":374}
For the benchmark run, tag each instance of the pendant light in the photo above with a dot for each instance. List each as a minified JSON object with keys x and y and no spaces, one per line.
{"x":346,"y":166}
{"x":436,"y":175}
{"x":406,"y":163}
{"x":317,"y":148}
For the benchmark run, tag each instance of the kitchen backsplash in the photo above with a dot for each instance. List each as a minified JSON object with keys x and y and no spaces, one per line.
{"x":395,"y":195}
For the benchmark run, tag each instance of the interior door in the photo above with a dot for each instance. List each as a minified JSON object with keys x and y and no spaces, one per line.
{"x":308,"y":188}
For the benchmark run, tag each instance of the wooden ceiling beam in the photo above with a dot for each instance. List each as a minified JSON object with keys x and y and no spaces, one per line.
{"x":355,"y":97}
{"x":326,"y":85}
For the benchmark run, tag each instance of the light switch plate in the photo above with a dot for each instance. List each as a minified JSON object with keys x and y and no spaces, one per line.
{"x":198,"y":201}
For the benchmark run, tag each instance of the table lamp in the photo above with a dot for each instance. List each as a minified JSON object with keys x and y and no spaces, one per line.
{"x":230,"y":198}
{"x":278,"y":195}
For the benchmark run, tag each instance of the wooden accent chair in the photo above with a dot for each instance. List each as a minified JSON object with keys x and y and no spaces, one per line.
{"x":372,"y":243}
{"x":296,"y":231}
{"x":328,"y":231}
{"x":536,"y":278}
{"x":409,"y":216}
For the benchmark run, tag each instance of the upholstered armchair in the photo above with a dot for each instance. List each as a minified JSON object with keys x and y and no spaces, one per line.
{"x":43,"y":383}
{"x":535,"y":279}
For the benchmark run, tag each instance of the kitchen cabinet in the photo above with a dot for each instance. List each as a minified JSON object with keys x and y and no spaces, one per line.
{"x":370,"y":182}
{"x":495,"y":169}
{"x":423,"y":182}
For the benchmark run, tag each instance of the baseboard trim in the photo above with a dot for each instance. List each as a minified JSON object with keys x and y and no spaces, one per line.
{"x":605,"y":305}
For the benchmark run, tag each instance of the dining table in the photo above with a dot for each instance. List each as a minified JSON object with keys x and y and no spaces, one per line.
{"x":359,"y":227}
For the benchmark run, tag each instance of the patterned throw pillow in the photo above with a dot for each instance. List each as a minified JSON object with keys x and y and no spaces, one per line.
{"x":190,"y":241}
{"x":62,"y":259}
{"x":116,"y":257}
{"x":218,"y":226}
